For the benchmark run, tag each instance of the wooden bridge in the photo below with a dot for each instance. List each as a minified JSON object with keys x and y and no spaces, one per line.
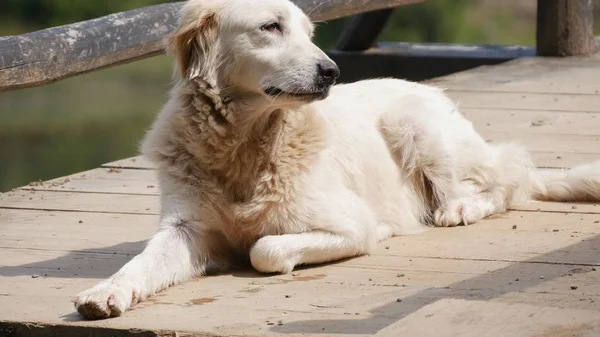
{"x":531,"y":272}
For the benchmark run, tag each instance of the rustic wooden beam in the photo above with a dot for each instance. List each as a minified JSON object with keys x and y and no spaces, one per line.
{"x":52,"y":54}
{"x":565,"y":27}
{"x":362,"y":31}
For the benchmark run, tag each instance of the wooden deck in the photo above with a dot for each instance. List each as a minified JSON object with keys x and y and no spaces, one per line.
{"x":530,"y":272}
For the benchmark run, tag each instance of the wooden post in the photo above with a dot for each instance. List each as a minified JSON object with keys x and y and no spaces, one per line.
{"x":565,"y":27}
{"x":363,"y":30}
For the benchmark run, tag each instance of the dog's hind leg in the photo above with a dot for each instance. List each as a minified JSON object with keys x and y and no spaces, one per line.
{"x":491,"y":187}
{"x":455,"y":174}
{"x":425,"y":161}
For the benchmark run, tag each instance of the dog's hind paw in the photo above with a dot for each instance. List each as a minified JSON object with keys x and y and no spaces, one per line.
{"x":463,"y":211}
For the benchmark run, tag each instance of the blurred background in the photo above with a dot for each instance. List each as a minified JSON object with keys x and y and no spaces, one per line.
{"x":82,"y":122}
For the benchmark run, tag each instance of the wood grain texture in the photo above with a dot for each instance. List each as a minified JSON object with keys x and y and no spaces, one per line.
{"x":52,"y":54}
{"x":56,"y":53}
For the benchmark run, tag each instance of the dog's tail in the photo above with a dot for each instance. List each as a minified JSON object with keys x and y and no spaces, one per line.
{"x":581,"y":183}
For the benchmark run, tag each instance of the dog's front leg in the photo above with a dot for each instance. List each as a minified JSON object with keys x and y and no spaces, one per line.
{"x":175,"y":254}
{"x":343,"y":226}
{"x":281,"y":253}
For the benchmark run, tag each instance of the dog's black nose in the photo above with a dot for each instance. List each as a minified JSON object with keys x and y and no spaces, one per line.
{"x":328,"y":71}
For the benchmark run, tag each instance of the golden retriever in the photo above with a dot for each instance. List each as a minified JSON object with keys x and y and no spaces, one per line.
{"x":260,"y":155}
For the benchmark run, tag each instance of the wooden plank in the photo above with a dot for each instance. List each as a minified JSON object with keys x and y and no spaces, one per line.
{"x":35,"y":230}
{"x":488,"y":244}
{"x":110,"y":234}
{"x":525,"y":101}
{"x":530,"y":75}
{"x":477,"y":318}
{"x":565,"y":27}
{"x":56,"y":53}
{"x":548,"y":142}
{"x":103,"y":180}
{"x":534,"y":122}
{"x":81,"y":202}
{"x":558,"y":207}
{"x":562,"y":159}
{"x":139,"y":162}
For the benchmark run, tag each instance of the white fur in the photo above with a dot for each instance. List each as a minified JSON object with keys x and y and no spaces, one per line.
{"x":397,"y":157}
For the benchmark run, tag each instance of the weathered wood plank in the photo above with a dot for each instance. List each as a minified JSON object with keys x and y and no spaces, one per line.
{"x":81,"y":202}
{"x":576,"y":75}
{"x":547,"y":142}
{"x":533,"y":122}
{"x":525,"y":101}
{"x":103,"y":180}
{"x":494,"y":239}
{"x":558,"y":207}
{"x":34,"y":230}
{"x":562,"y":159}
{"x":139,"y":162}
{"x":52,"y":54}
{"x":565,"y":27}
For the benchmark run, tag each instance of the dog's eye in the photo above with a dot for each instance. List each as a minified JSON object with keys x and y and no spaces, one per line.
{"x":272,"y":27}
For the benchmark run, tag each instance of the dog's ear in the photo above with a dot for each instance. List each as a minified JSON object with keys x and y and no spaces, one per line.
{"x":193,"y":44}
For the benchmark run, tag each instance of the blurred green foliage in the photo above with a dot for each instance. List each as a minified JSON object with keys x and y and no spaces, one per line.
{"x":80,"y":123}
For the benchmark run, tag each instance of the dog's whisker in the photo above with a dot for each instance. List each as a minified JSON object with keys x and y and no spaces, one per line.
{"x":317,"y":6}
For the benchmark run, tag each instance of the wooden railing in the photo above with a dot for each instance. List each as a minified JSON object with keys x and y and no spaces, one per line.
{"x":52,"y":54}
{"x":45,"y":56}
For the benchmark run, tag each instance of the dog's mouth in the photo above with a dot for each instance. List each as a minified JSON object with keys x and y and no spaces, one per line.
{"x":302,"y":95}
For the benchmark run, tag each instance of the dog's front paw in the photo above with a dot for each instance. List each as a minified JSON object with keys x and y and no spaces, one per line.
{"x":461,"y":211}
{"x":270,"y":255}
{"x":103,"y":301}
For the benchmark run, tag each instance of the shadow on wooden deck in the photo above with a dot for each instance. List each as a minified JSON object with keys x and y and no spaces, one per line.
{"x":484,"y":287}
{"x":77,"y":264}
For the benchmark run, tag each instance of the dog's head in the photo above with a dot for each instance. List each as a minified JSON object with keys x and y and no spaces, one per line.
{"x":253,"y":48}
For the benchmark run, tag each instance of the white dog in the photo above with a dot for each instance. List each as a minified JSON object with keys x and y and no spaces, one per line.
{"x":259,"y":155}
